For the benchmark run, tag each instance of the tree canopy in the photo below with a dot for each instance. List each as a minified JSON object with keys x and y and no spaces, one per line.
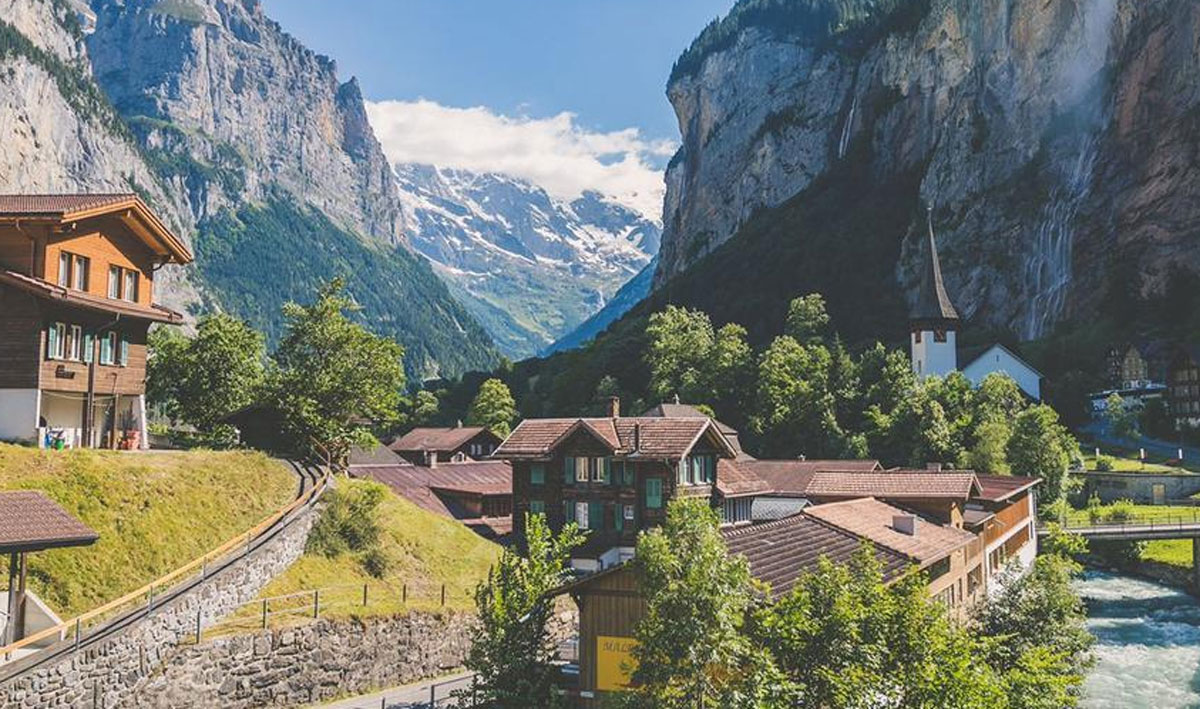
{"x":493,"y":408}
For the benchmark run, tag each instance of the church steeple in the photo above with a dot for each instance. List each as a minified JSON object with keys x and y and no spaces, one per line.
{"x":933,"y":320}
{"x":933,"y":306}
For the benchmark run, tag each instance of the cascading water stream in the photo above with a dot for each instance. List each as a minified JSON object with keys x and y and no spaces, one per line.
{"x":847,"y":128}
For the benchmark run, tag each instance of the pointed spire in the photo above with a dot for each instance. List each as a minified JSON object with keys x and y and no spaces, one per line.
{"x":933,"y":305}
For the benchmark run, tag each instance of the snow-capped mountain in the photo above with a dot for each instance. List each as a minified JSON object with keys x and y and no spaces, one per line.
{"x":530,"y":267}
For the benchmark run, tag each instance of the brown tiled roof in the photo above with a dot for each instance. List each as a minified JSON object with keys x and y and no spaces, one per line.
{"x":872,"y":519}
{"x":70,"y":207}
{"x":655,"y":437}
{"x":998,"y":488}
{"x":780,"y":552}
{"x":377,"y":454}
{"x":436,"y":439}
{"x":791,"y":477}
{"x":733,"y":481}
{"x":893,"y":485}
{"x":50,"y":291}
{"x":30,"y":521}
{"x":420,"y":485}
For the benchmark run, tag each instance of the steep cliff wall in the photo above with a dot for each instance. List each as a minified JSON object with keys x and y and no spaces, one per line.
{"x":1056,"y":141}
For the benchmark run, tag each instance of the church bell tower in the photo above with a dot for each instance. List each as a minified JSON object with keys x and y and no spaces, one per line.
{"x":933,"y":323}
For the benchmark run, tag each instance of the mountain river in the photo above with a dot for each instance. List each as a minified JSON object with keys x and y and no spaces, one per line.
{"x":1148,"y":644}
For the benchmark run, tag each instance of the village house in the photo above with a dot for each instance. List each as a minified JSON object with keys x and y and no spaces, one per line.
{"x":1183,"y":387}
{"x":77,"y":279}
{"x":430,"y":446}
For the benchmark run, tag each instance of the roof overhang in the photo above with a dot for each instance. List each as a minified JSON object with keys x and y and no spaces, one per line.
{"x":55,"y":293}
{"x":132,"y":211}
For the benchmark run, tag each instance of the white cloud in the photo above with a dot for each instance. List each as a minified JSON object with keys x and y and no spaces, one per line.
{"x":555,"y":153}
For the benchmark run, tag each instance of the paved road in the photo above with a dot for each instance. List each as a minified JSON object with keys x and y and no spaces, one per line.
{"x":1166,"y":449}
{"x":406,"y":697}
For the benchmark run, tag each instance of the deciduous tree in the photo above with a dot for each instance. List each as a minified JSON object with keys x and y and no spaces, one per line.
{"x":1041,"y":447}
{"x":333,"y":377}
{"x":493,"y":408}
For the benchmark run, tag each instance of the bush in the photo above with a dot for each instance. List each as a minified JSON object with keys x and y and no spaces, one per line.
{"x":1105,"y":464}
{"x":350,"y":521}
{"x":376,"y":562}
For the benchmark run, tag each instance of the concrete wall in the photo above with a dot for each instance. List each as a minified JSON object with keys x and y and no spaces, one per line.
{"x":111,"y":671}
{"x":310,"y":663}
{"x":18,"y":414}
{"x":1138,"y":487}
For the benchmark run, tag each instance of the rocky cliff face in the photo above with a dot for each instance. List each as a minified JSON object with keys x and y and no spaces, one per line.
{"x":528,"y":266}
{"x":1056,"y":140}
{"x":243,"y":140}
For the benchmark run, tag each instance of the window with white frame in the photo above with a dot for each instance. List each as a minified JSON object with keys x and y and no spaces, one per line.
{"x":628,"y":512}
{"x":56,"y":340}
{"x":75,"y":343}
{"x":581,"y":469}
{"x":64,"y":269}
{"x":581,"y":515}
{"x":108,"y":348}
{"x":114,"y":282}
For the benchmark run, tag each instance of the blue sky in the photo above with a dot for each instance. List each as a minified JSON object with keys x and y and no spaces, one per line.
{"x":592,"y":73}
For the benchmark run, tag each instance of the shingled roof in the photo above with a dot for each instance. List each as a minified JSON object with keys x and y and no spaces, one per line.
{"x":873,"y":520}
{"x":791,"y":477}
{"x":64,"y":208}
{"x":626,"y":436}
{"x":436,"y":439}
{"x":30,"y":521}
{"x":421,"y":485}
{"x":998,"y":488}
{"x":782,"y":551}
{"x":933,"y":305}
{"x":893,"y":484}
{"x":734,"y":481}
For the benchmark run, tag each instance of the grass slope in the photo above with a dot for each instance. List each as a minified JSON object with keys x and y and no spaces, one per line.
{"x":153,"y":511}
{"x":425,"y":550}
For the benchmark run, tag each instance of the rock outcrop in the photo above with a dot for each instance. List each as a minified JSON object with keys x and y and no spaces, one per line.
{"x":1055,"y":140}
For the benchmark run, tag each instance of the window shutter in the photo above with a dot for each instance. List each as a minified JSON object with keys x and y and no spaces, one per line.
{"x":607,"y":470}
{"x":52,"y":341}
{"x":89,"y":346}
{"x":124,"y":351}
{"x":568,"y":470}
{"x":568,"y":511}
{"x":618,"y":517}
{"x":596,"y":515}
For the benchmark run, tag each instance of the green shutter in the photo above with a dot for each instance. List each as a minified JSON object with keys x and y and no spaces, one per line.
{"x":88,"y":347}
{"x":52,"y":341}
{"x":568,"y":470}
{"x":606,"y":468}
{"x":595,"y":515}
{"x":537,"y":474}
{"x":537,"y":507}
{"x":568,"y":511}
{"x":619,"y":517}
{"x":124,"y":351}
{"x":653,"y":493}
{"x":106,"y":354}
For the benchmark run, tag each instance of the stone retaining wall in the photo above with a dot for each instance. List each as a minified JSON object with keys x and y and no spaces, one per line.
{"x":108,"y":673}
{"x":310,"y":663}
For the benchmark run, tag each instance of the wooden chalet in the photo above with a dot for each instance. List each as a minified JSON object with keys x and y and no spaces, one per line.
{"x":430,"y":446}
{"x":476,"y":493}
{"x":77,"y":279}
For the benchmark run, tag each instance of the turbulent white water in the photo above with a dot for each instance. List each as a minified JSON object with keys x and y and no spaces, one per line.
{"x":1148,"y":644}
{"x":847,"y":128}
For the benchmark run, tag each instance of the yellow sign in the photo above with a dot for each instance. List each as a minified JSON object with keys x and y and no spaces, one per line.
{"x":614,"y":662}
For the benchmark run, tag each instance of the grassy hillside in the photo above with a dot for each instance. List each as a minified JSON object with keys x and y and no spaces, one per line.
{"x":423,"y":551}
{"x":153,"y":511}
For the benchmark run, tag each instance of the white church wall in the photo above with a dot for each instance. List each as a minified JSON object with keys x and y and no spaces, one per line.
{"x":999,"y":359}
{"x":932,"y":358}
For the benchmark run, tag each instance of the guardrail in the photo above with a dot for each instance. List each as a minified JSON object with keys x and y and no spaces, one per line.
{"x":143,"y":598}
{"x":1174,"y":517}
{"x":309,"y":604}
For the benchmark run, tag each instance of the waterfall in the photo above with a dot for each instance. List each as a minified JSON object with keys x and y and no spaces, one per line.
{"x":846,"y":128}
{"x":1048,"y":267}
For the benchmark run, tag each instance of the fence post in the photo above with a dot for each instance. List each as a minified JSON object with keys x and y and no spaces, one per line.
{"x":433,"y":695}
{"x":264,"y":614}
{"x":248,"y":537}
{"x":316,"y":602}
{"x":150,"y":601}
{"x":443,"y":594}
{"x":404,"y":594}
{"x":364,"y":594}
{"x":78,"y":629}
{"x":198,"y":629}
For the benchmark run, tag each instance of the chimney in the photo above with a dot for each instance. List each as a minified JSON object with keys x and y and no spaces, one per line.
{"x":458,"y":423}
{"x":614,"y":407}
{"x":933,"y":467}
{"x":905,"y":524}
{"x":637,"y":437}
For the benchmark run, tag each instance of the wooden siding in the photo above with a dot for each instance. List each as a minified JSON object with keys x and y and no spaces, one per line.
{"x":609,"y":606}
{"x":107,"y":242}
{"x":67,"y":376}
{"x":1012,"y":515}
{"x":19,"y":247}
{"x":20,"y":339}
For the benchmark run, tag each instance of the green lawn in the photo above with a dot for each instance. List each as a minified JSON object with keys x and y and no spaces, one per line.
{"x":425,"y":551}
{"x":1176,"y":552}
{"x":1129,"y":464}
{"x":154,"y":512}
